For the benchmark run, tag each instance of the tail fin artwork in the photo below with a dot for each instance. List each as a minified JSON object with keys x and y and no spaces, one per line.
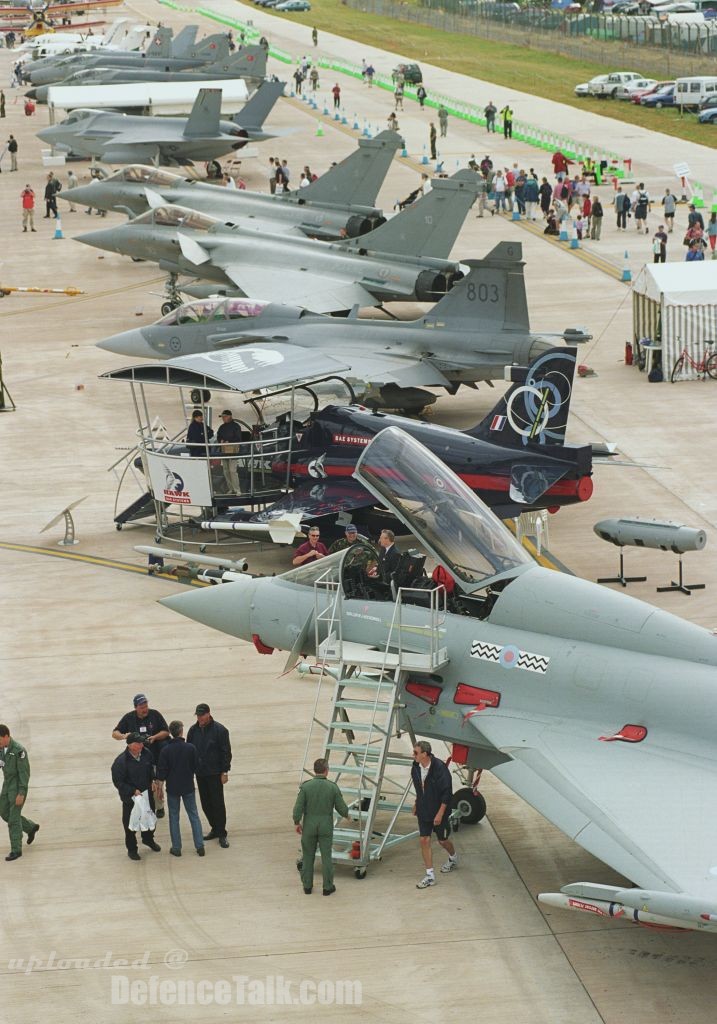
{"x":184,"y":42}
{"x":493,"y":292}
{"x":535,"y":409}
{"x":212,"y":48}
{"x":247,"y":62}
{"x":161,"y":45}
{"x":256,"y":110}
{"x":204,"y":117}
{"x":357,"y":180}
{"x":429,"y":227}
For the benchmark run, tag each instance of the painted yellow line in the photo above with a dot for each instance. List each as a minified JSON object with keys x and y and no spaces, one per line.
{"x":105,"y":563}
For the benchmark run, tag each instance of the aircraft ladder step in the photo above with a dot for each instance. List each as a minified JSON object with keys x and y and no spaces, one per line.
{"x":362,"y":705}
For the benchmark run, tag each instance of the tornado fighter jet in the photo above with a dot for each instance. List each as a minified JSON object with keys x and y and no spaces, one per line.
{"x":339,"y":204}
{"x":471,"y":334}
{"x":598,"y":709}
{"x":404,"y":259}
{"x":123,"y":138}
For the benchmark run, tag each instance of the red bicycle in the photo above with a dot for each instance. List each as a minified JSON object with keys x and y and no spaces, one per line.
{"x":706,"y":366}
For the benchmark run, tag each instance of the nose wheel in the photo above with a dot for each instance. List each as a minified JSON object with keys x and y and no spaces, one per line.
{"x":172,"y":298}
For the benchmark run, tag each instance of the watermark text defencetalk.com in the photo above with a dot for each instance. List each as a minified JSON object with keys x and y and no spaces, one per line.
{"x":239,"y":990}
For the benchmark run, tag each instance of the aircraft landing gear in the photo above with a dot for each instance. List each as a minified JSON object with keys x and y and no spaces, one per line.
{"x":470,"y":805}
{"x":172,"y":298}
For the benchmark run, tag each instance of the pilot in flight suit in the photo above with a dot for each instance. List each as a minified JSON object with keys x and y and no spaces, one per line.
{"x":316,"y":802}
{"x":16,"y":779}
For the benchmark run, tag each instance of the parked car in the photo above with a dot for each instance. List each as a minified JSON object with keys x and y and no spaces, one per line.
{"x":612,"y":83}
{"x":293,"y":5}
{"x":662,"y":98}
{"x":412,"y":74}
{"x":708,"y":116}
{"x":584,"y":88}
{"x":626,"y":90}
{"x":709,"y":104}
{"x":638,"y":93}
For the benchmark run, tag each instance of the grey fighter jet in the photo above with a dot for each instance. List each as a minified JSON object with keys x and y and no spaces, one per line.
{"x":248,"y":63}
{"x":471,"y":334}
{"x":210,"y":49}
{"x":596,"y":708}
{"x":339,"y":204}
{"x":403,"y":259}
{"x":124,"y":138}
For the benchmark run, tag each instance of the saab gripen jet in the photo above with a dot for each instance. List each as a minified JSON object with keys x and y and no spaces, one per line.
{"x":125,"y":138}
{"x":248,"y":63}
{"x":476,"y":330}
{"x":598,"y":709}
{"x":339,"y":204}
{"x":404,"y":259}
{"x":158,"y":55}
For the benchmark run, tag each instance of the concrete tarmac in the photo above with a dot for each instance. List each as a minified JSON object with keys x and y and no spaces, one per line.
{"x":80,"y":638}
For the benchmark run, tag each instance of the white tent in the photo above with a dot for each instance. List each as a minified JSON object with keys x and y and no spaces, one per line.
{"x":676,"y":304}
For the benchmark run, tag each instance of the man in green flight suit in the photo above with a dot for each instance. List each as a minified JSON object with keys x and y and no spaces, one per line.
{"x":316,"y":802}
{"x":16,"y":778}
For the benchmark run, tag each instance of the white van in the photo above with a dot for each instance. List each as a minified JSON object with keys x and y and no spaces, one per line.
{"x":690,"y":92}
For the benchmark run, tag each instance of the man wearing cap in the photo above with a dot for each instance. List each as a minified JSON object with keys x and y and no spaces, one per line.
{"x":351,"y":536}
{"x":16,"y":778}
{"x":150,"y":725}
{"x":229,"y":437}
{"x":132,"y":775}
{"x":214,"y":760}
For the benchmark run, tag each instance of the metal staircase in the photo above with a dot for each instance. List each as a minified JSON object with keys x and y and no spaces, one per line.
{"x":357,"y":719}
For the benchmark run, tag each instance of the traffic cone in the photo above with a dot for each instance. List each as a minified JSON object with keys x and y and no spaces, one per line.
{"x":563,"y":230}
{"x":424,"y":158}
{"x":516,"y":213}
{"x":574,"y":240}
{"x":58,"y":228}
{"x":404,"y":151}
{"x":319,"y":129}
{"x":626,"y":272}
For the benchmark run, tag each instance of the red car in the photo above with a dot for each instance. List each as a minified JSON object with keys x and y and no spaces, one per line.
{"x":639,"y":93}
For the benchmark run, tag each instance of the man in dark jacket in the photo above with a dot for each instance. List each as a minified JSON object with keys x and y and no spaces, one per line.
{"x":151,"y":726}
{"x":132,"y":774}
{"x":198,"y":435}
{"x":434,"y":790}
{"x":177,"y":767}
{"x":214,"y":759}
{"x":229,"y":437}
{"x":52,"y":187}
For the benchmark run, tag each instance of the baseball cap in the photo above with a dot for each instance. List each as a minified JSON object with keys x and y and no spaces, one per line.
{"x":351,"y":528}
{"x":139,"y":699}
{"x":201,"y":709}
{"x":134,"y":737}
{"x":227,"y":412}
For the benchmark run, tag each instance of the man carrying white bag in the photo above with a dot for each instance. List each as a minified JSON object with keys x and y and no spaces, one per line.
{"x":133,"y":775}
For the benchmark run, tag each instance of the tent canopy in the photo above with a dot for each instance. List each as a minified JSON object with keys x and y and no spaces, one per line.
{"x":679,"y":284}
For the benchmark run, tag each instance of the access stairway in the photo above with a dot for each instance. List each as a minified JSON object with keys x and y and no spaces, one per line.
{"x":363,"y":734}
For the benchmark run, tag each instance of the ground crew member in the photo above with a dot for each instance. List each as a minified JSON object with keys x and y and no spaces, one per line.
{"x":316,"y":802}
{"x":16,"y":779}
{"x":434,"y":790}
{"x":153,"y":729}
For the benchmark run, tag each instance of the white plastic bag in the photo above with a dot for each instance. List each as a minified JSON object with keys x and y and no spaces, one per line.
{"x":142,"y":818}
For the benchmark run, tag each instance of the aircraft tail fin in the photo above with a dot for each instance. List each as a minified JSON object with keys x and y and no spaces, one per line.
{"x":247,"y":62}
{"x":213,"y":48}
{"x":205,"y":114}
{"x":492,"y":291}
{"x":429,"y":227}
{"x":256,"y":110}
{"x":161,"y":45}
{"x":357,"y":180}
{"x":535,"y":408}
{"x":183,"y":43}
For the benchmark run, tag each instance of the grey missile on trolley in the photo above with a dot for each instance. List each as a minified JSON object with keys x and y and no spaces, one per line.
{"x":598,"y":709}
{"x":651,"y":533}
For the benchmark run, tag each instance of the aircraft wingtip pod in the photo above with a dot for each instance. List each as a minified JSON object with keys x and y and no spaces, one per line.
{"x":637,"y":906}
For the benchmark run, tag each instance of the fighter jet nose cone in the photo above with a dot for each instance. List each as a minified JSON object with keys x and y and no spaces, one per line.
{"x":226,"y":607}
{"x":79,"y":194}
{"x":98,"y":239}
{"x":128,"y":343}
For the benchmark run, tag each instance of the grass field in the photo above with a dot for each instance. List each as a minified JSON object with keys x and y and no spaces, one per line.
{"x":529,"y":70}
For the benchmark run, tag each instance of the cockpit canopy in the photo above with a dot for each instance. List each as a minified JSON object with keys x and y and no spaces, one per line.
{"x":145,"y":175}
{"x":206,"y":310}
{"x":439,"y":509}
{"x":79,"y":115}
{"x":176,"y":217}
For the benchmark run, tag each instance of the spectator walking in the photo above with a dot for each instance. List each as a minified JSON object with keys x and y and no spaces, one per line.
{"x":507,"y":115}
{"x":370,"y":72}
{"x":313,"y":816}
{"x":659,"y":245}
{"x":641,"y":206}
{"x":177,"y":768}
{"x":2,"y":103}
{"x":596,"y":216}
{"x":489,"y":112}
{"x":712,"y":232}
{"x":531,"y":195}
{"x":432,"y":807}
{"x":298,"y":77}
{"x":693,"y":217}
{"x":12,"y":150}
{"x":272,"y":174}
{"x":499,"y":193}
{"x":28,"y":208}
{"x":421,"y":95}
{"x":546,"y":195}
{"x":214,"y":760}
{"x":315,"y":36}
{"x":72,"y":182}
{"x":621,"y":202}
{"x":398,"y":96}
{"x":392,"y":122}
{"x":336,"y":93}
{"x":669,"y":204}
{"x":443,"y":120}
{"x":314,"y":78}
{"x":52,"y":187}
{"x":432,"y":140}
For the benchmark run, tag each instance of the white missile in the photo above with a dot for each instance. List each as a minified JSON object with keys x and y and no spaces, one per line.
{"x":190,"y":558}
{"x":637,"y":906}
{"x":279,"y":531}
{"x":651,"y":533}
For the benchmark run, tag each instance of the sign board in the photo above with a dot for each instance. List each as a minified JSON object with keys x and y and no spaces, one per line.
{"x":179,"y":480}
